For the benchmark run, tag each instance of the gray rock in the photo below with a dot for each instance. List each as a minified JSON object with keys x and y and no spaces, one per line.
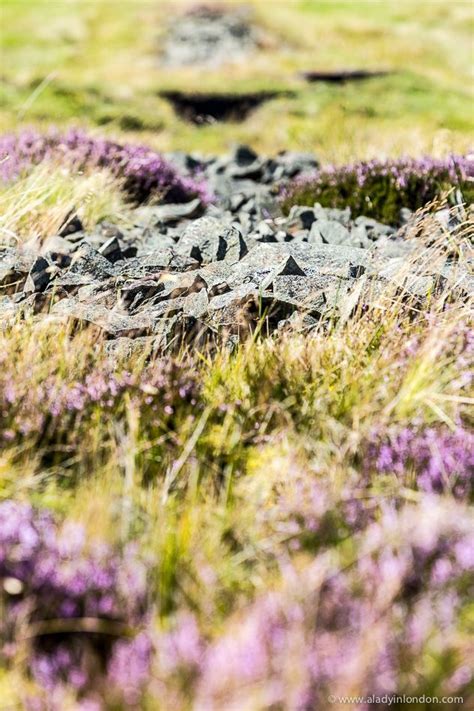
{"x":293,"y":163}
{"x":177,"y":330}
{"x":176,"y":285}
{"x":328,"y":213}
{"x":208,"y":240}
{"x":333,"y":232}
{"x":126,"y":347}
{"x":88,"y":262}
{"x":216,"y":275}
{"x":112,"y":323}
{"x":102,"y":293}
{"x":300,"y":218}
{"x":458,"y":279}
{"x":71,"y":226}
{"x":111,"y":250}
{"x":196,"y":305}
{"x":154,"y":263}
{"x":8,"y":310}
{"x":359,"y":237}
{"x":14,"y":270}
{"x":133,"y":294}
{"x":40,"y":275}
{"x":230,"y":310}
{"x":58,"y":249}
{"x":266,"y":232}
{"x":209,"y":36}
{"x":314,"y":235}
{"x":70,"y":282}
{"x":307,"y":293}
{"x":168,"y":213}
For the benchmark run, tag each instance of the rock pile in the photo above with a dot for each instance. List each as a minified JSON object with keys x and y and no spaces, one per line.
{"x":191,"y":273}
{"x":210,"y":36}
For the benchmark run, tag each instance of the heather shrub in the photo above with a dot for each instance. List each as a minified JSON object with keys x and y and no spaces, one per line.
{"x":435,"y":459}
{"x":71,"y":605}
{"x":367,"y":620}
{"x":63,"y":407}
{"x":380,"y":189}
{"x":144,"y":173}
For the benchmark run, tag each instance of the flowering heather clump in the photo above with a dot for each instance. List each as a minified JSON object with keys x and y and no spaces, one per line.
{"x":379,"y":189}
{"x":49,"y":410}
{"x":371,"y":627}
{"x":144,"y":172}
{"x":307,"y":515}
{"x":73,"y":602}
{"x":435,"y":459}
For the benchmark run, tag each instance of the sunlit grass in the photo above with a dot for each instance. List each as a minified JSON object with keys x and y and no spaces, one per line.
{"x":39,"y":204}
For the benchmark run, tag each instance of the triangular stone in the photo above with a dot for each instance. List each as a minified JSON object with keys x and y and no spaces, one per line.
{"x":290,"y":268}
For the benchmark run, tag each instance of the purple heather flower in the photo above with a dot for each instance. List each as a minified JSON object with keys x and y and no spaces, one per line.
{"x":61,"y":576}
{"x":358,"y":626}
{"x":145,"y":173}
{"x":129,"y":667}
{"x":440,"y":459}
{"x":181,"y":649}
{"x":384,"y":186}
{"x":46,"y":408}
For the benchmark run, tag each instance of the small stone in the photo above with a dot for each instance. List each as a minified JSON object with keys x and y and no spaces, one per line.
{"x":111,"y":250}
{"x":315,"y":236}
{"x":301,"y":217}
{"x":88,"y":262}
{"x":294,"y":163}
{"x":244,"y":155}
{"x":333,"y":232}
{"x":333,"y":213}
{"x":168,"y":213}
{"x":236,"y":201}
{"x":40,"y":275}
{"x":14,"y":270}
{"x":133,"y":294}
{"x":208,"y":240}
{"x":71,"y":226}
{"x":305,"y":292}
{"x":356,"y":270}
{"x":196,"y":304}
{"x":58,"y":249}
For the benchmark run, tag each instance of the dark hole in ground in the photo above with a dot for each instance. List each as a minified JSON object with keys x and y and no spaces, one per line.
{"x":209,"y":108}
{"x":343,"y":76}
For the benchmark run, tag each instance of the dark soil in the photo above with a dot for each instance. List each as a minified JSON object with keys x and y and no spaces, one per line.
{"x":341,"y":77}
{"x":209,"y":108}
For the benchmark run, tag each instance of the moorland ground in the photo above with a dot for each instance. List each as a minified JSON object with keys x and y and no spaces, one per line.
{"x":226,"y":524}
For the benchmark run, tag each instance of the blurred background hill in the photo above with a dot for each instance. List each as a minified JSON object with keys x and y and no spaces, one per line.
{"x":107,"y":64}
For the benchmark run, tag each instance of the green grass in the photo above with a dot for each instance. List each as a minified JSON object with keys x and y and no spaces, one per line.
{"x":87,"y":62}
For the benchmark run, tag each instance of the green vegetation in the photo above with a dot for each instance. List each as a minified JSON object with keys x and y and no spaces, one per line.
{"x":380,"y":189}
{"x":38,"y":205}
{"x":90,"y":63}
